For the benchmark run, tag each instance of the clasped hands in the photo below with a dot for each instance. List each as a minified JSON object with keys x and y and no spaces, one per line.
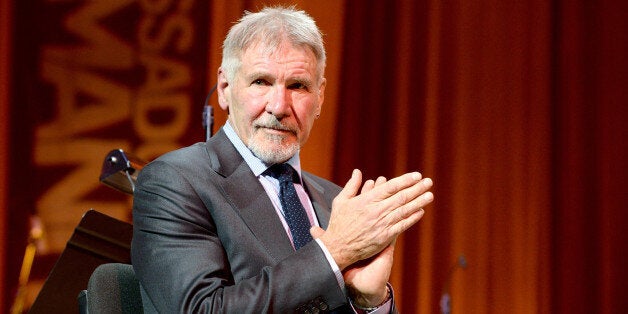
{"x":364,"y":224}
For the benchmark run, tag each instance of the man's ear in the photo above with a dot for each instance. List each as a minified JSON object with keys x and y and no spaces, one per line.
{"x":222,"y":87}
{"x":321,"y":94}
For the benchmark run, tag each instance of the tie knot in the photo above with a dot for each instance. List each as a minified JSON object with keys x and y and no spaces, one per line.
{"x":283,"y":173}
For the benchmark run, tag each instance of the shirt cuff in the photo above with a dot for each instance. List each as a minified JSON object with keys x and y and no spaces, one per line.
{"x":384,"y":308}
{"x":334,"y":266}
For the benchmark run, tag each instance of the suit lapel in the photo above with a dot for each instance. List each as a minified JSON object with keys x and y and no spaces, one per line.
{"x":316,"y":194}
{"x":248,"y":197}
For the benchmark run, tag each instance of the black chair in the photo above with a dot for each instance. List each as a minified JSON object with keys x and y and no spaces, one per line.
{"x":112,"y":288}
{"x":98,"y":239}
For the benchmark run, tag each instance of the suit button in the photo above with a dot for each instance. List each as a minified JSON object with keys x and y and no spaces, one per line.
{"x":320,"y":304}
{"x":303,"y":309}
{"x":323,"y":306}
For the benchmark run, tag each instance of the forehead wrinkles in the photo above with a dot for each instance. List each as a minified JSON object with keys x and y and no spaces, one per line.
{"x":259,"y":53}
{"x":284,"y":62}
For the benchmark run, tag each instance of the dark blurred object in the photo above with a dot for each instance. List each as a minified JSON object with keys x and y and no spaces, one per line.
{"x":112,"y":288}
{"x":98,"y":239}
{"x":120,"y":170}
{"x":208,"y":114}
{"x":445,"y":300}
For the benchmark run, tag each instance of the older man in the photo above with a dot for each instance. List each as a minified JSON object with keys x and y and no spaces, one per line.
{"x":234,"y":225}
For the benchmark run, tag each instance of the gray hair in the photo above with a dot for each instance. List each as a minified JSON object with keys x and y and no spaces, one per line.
{"x":270,"y":27}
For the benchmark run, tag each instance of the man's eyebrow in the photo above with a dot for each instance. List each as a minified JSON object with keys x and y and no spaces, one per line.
{"x":303,"y":79}
{"x":258,"y":74}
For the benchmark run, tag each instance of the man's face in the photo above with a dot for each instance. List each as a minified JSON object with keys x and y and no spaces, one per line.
{"x":273,"y":99}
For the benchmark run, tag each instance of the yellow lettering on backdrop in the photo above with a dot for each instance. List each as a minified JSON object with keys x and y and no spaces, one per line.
{"x":163,"y":74}
{"x":85,"y":101}
{"x":172,"y":25}
{"x":62,"y":205}
{"x":166,"y":78}
{"x":111,"y":104}
{"x":178,"y":107}
{"x":99,"y":47}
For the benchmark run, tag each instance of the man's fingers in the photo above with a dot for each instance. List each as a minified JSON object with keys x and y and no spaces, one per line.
{"x":413,"y":206}
{"x":352,"y":186}
{"x":393,"y":186}
{"x":407,"y":215}
{"x":408,"y":195}
{"x":407,"y":222}
{"x":368,"y":185}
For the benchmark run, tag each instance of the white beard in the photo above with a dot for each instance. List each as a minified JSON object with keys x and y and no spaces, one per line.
{"x":273,"y":156}
{"x":260,"y":144}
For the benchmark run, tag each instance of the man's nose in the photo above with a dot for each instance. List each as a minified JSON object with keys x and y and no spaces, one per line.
{"x":279,"y":104}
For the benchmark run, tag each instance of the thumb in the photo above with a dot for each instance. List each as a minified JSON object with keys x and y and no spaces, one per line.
{"x":316,"y":232}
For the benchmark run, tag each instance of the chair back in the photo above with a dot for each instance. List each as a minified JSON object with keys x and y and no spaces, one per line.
{"x":112,"y":288}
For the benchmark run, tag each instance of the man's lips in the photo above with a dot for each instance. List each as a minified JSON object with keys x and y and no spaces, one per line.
{"x":275,"y":130}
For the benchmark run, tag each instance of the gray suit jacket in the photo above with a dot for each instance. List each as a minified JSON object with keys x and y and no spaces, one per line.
{"x":207,"y":238}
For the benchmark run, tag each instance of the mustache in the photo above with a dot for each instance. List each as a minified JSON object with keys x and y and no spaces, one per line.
{"x":271,"y":122}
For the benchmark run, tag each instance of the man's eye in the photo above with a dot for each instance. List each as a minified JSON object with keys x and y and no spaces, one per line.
{"x":298,"y":86}
{"x":260,"y":82}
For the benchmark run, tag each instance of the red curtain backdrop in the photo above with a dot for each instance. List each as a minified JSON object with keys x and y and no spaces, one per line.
{"x":516,"y":109}
{"x":5,"y":72}
{"x":590,"y":113}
